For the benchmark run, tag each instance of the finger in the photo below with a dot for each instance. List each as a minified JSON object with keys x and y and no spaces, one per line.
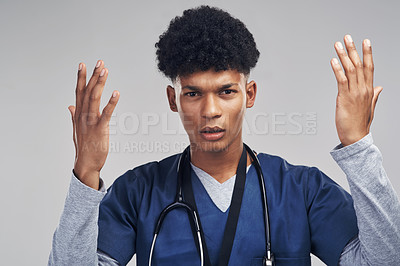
{"x":355,"y":59}
{"x":368,"y":65}
{"x":350,"y":70}
{"x":86,"y":98}
{"x":72,"y":110}
{"x":340,"y":76}
{"x":95,"y":75}
{"x":95,"y":96}
{"x":80,"y":87}
{"x":109,"y":108}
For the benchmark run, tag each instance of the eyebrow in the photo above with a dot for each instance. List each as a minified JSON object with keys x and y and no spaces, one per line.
{"x":196,"y":88}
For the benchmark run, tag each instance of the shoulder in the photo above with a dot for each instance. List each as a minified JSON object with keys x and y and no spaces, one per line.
{"x":145,"y":174}
{"x":137,"y":183}
{"x":288,"y":180}
{"x":278,"y":166}
{"x":308,"y":179}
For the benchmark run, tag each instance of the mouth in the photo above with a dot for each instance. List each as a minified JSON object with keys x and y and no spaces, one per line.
{"x":212,"y":133}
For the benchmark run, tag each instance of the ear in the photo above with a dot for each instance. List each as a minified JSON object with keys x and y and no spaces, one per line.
{"x":171,"y":99}
{"x":251,"y":91}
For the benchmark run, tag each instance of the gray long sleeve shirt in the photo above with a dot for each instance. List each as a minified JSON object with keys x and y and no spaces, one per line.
{"x":376,"y":204}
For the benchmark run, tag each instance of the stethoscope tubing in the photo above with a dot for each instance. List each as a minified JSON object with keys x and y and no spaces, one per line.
{"x":191,"y":212}
{"x":180,"y":203}
{"x":264,"y":201}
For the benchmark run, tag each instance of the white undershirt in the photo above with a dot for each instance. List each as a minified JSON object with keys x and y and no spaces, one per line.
{"x":220,"y":193}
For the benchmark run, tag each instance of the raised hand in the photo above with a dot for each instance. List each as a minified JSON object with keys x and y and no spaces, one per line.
{"x":90,"y":128}
{"x":357,"y":97}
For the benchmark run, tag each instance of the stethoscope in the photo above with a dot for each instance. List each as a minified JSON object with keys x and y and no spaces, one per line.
{"x":181,"y":203}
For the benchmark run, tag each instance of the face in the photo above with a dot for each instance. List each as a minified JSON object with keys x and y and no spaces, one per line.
{"x":211,"y":106}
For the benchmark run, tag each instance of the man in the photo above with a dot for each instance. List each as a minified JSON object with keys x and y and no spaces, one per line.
{"x":208,"y":55}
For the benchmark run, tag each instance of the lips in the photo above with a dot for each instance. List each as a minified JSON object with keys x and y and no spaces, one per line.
{"x":211,"y":130}
{"x":212,"y":133}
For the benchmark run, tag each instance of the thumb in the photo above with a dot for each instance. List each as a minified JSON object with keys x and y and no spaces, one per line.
{"x":71,"y":109}
{"x":377,"y":91}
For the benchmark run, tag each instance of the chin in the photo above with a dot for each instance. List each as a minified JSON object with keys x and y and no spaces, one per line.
{"x":210,"y":146}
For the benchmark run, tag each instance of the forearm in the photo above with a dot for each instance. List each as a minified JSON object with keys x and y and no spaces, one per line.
{"x":75,"y":239}
{"x":375,"y":201}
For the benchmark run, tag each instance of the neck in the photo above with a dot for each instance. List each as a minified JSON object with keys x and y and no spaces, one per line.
{"x":221,"y":165}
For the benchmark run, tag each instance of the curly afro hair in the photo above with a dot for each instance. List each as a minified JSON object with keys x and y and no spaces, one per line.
{"x":205,"y":38}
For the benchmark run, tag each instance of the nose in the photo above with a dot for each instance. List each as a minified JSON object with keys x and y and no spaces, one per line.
{"x":211,"y":108}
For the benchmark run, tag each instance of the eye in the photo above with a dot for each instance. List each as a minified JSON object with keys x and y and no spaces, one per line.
{"x":191,"y":94}
{"x":227,"y":91}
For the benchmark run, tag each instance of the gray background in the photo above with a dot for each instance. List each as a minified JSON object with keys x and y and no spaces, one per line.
{"x":43,"y":42}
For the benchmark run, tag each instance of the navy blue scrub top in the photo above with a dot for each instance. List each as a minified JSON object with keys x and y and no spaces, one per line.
{"x":309,"y":213}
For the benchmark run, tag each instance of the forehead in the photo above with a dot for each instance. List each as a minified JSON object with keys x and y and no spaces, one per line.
{"x":210,"y":78}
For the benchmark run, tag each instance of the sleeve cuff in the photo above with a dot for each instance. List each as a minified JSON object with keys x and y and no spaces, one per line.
{"x":339,"y":152}
{"x":80,"y":193}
